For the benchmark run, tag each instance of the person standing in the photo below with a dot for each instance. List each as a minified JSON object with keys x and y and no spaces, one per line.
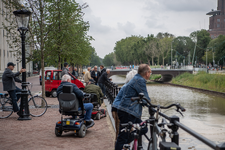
{"x":65,"y":69}
{"x":102,"y":79}
{"x":8,"y":80}
{"x":132,"y":111}
{"x":95,"y":74}
{"x":87,"y":75}
{"x":117,"y":100}
{"x":75,"y":73}
{"x":102,"y":69}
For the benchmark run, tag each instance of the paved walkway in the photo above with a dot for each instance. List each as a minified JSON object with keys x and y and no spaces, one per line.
{"x":39,"y":133}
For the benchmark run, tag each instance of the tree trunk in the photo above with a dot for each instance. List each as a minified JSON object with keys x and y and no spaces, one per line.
{"x":152,"y":61}
{"x":158,"y":60}
{"x":59,"y":63}
{"x":149,"y":62}
{"x":163,"y":61}
{"x":42,"y":49}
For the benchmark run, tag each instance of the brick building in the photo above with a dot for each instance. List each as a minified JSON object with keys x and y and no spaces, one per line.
{"x":217,"y":20}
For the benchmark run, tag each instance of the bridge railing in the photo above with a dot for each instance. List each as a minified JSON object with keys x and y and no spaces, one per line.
{"x":111,"y":92}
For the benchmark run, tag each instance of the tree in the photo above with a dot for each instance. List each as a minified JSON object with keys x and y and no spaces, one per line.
{"x":109,"y":59}
{"x":203,"y":39}
{"x":165,"y":47}
{"x":94,"y":60}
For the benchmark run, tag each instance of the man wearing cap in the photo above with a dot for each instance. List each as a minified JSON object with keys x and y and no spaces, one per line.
{"x":8,"y":79}
{"x":92,"y":88}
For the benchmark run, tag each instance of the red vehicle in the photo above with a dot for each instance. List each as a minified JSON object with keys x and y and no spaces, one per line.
{"x":53,"y":80}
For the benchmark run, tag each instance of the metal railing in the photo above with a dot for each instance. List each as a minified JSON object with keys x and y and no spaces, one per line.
{"x":111,"y":92}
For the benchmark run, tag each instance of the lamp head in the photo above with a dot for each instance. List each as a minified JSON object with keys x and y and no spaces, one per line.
{"x":22,"y":18}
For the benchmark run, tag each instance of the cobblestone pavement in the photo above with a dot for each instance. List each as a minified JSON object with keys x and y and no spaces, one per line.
{"x":39,"y":133}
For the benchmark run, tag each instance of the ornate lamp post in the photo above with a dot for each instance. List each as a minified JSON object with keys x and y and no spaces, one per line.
{"x":22,"y":19}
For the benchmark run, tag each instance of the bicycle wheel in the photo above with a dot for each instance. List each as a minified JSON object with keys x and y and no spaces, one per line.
{"x":37,"y":106}
{"x":6,"y":108}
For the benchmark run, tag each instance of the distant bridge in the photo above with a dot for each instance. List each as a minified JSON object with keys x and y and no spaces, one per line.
{"x":167,"y":75}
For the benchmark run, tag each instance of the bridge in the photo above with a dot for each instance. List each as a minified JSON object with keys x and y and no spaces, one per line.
{"x":167,"y":74}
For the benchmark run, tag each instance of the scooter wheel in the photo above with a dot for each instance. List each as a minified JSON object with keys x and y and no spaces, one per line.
{"x":82,"y":131}
{"x":58,"y":132}
{"x":98,"y":116}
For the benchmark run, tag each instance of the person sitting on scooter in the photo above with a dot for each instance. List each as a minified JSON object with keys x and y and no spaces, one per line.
{"x":66,"y":80}
{"x":92,"y":88}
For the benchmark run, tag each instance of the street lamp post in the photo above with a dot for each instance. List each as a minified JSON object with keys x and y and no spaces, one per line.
{"x":22,"y":19}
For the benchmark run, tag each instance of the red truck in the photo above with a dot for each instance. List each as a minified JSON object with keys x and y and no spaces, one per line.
{"x":53,"y":80}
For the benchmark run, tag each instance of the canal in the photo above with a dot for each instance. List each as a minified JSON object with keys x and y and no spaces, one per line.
{"x":205,"y":113}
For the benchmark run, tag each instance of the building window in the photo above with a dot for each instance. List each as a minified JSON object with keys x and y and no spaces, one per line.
{"x":218,"y":20}
{"x":218,"y":25}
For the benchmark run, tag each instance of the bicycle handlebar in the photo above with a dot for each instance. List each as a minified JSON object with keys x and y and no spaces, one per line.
{"x":141,"y":98}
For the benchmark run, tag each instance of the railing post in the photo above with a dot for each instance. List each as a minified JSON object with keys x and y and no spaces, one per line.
{"x":174,"y":128}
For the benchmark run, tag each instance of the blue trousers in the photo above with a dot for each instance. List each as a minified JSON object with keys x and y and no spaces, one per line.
{"x":15,"y":98}
{"x":102,"y":86}
{"x":123,"y":136}
{"x":88,"y":108}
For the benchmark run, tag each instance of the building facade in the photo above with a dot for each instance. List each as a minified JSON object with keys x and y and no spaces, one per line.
{"x":5,"y":52}
{"x":217,"y":20}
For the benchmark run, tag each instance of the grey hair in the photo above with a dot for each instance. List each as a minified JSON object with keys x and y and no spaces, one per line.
{"x":66,"y":77}
{"x":107,"y":70}
{"x":130,"y":75}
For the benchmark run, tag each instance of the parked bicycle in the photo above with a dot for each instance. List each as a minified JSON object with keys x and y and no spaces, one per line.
{"x":156,"y":129}
{"x":37,"y":104}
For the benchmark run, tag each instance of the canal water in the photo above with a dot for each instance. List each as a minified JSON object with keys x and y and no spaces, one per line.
{"x":205,"y":113}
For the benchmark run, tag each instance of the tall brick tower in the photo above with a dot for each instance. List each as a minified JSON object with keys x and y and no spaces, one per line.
{"x":217,"y":20}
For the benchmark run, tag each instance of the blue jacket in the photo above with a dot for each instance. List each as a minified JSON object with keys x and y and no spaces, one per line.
{"x":76,"y":91}
{"x":118,"y":98}
{"x":133,"y":88}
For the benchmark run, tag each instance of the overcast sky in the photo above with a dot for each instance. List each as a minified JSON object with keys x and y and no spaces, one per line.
{"x":112,"y":20}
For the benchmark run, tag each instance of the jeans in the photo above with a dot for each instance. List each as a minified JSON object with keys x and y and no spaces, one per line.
{"x":15,"y":98}
{"x":88,"y":108}
{"x":123,"y":136}
{"x":102,"y":86}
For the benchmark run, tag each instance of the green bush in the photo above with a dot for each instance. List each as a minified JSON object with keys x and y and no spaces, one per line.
{"x":215,"y":82}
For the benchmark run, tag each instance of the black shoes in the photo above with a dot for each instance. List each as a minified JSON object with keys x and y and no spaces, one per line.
{"x":90,"y":123}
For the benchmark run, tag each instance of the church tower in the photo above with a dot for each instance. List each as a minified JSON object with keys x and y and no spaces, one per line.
{"x":217,"y":20}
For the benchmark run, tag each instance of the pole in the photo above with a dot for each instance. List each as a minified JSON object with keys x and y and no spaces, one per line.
{"x":24,"y":112}
{"x":206,"y":61}
{"x":171,"y":53}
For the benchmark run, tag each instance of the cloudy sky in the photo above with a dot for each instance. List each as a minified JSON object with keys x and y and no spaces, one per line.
{"x":112,"y":20}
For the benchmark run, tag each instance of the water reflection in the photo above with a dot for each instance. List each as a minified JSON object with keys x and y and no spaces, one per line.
{"x":205,"y":113}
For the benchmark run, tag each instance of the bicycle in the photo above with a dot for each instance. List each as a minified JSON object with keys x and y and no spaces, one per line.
{"x":155,"y":127}
{"x":37,"y":104}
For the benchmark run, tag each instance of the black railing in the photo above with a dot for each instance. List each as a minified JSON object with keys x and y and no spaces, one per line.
{"x":111,"y":92}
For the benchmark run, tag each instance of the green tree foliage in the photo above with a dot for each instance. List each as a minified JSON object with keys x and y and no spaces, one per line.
{"x":109,"y":59}
{"x":218,"y":47}
{"x":182,"y":46}
{"x":94,"y":60}
{"x":203,"y":39}
{"x":57,"y":32}
{"x":67,"y":39}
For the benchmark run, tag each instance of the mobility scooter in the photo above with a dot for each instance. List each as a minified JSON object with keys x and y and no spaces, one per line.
{"x":97,"y":113}
{"x":69,"y":106}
